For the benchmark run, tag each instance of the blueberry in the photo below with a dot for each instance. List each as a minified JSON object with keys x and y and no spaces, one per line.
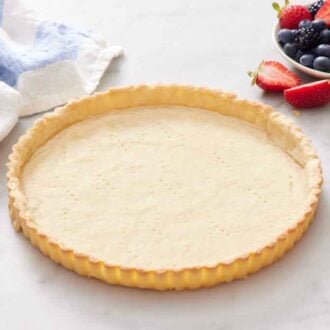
{"x":301,"y":53}
{"x":298,"y":55}
{"x":325,"y":36}
{"x":322,"y":63}
{"x":307,"y":60}
{"x":285,"y":36}
{"x":318,"y":25}
{"x":290,"y":49}
{"x":304,"y":23}
{"x":323,"y":50}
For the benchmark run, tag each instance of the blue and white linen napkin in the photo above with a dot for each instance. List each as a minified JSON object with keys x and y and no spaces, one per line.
{"x":44,"y":64}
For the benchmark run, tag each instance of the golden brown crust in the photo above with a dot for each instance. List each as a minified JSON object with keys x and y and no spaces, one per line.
{"x":279,"y":128}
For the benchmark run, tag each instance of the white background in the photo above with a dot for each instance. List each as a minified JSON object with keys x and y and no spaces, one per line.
{"x":207,"y":43}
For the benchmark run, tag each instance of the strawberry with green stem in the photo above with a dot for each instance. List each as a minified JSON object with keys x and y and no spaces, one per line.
{"x":272,"y":76}
{"x":290,"y":15}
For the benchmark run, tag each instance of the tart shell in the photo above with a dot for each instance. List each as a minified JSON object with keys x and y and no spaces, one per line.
{"x":280,"y":129}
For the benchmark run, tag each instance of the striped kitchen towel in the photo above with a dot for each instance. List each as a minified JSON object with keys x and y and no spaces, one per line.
{"x":44,"y":64}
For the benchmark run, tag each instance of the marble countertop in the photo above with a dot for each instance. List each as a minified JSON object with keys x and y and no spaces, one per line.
{"x":207,"y":43}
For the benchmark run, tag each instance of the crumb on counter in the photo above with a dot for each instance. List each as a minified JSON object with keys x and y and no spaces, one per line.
{"x":296,"y":113}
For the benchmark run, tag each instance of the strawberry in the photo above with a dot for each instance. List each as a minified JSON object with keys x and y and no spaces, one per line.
{"x":324,"y":12}
{"x":273,"y":76}
{"x":311,"y":95}
{"x":290,"y":15}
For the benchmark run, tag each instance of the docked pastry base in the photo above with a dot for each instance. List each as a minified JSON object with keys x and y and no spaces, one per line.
{"x":278,"y":127}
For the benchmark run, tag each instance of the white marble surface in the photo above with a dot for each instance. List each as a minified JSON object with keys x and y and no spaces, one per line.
{"x":208,"y":43}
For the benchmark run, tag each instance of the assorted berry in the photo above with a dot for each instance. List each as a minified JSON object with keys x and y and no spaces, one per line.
{"x":304,"y":23}
{"x":315,"y":7}
{"x":307,"y":60}
{"x":323,"y":50}
{"x":291,"y":15}
{"x":273,"y":76}
{"x":311,"y":95}
{"x":325,"y":36}
{"x":318,"y":25}
{"x":285,"y":36}
{"x":322,"y":63}
{"x":324,"y":12}
{"x":307,"y":39}
{"x":291,"y":50}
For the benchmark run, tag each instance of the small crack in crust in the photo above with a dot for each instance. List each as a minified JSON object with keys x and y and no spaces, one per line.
{"x":280,"y":129}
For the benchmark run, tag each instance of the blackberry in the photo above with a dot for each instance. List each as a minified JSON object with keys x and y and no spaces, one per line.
{"x":306,"y":38}
{"x":314,"y":7}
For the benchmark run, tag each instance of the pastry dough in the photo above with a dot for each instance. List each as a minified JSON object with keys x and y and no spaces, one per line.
{"x":178,"y":183}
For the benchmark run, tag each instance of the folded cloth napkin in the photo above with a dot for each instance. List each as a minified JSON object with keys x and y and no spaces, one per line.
{"x":44,"y":64}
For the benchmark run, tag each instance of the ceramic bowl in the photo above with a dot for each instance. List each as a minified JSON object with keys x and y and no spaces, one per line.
{"x":304,"y":69}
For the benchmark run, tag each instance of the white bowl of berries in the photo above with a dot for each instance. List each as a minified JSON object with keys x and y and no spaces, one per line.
{"x":302,"y":36}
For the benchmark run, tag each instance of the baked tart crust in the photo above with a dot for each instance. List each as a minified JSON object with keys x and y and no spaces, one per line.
{"x":278,"y":128}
